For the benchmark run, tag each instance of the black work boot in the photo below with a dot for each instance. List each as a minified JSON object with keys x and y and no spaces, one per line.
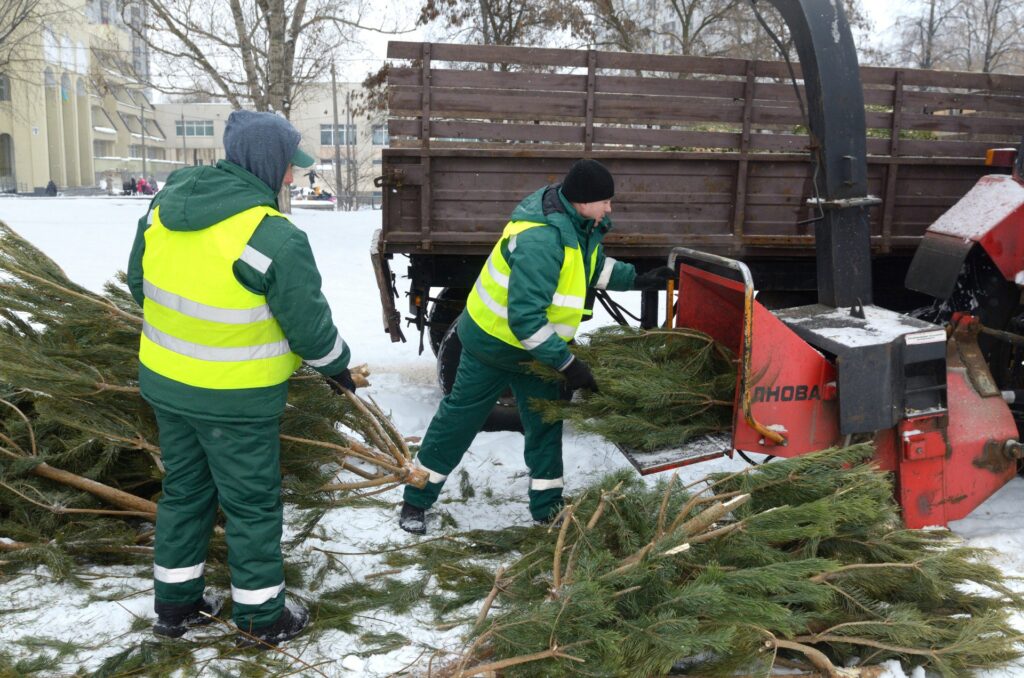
{"x":413,"y":519}
{"x":173,"y":620}
{"x":288,"y":625}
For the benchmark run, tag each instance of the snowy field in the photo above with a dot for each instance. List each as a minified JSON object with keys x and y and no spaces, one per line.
{"x":91,"y":237}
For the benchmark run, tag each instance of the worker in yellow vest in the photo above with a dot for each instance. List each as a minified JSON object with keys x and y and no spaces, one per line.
{"x":232,"y":306}
{"x":526,"y":306}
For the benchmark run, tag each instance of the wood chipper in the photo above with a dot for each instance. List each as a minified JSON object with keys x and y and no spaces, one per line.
{"x":845,"y":370}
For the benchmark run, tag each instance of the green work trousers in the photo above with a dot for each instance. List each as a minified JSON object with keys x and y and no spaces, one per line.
{"x":235,"y":464}
{"x":461,"y":415}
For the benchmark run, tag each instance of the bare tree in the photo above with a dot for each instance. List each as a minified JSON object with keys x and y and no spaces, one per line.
{"x":989,"y":35}
{"x":697,"y":27}
{"x":618,"y":27}
{"x":506,"y":22}
{"x":925,"y":36}
{"x":254,"y":53}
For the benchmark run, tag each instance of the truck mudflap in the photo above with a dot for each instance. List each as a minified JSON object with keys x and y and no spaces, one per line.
{"x":386,"y":286}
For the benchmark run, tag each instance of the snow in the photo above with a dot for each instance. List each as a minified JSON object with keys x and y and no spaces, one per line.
{"x":91,"y":238}
{"x":878,"y":326}
{"x":993,"y":199}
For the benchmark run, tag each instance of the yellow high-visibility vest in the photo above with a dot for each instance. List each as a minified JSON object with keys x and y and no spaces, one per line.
{"x":201,"y":327}
{"x":488,"y":300}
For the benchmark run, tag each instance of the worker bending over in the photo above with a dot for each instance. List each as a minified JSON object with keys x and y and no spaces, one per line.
{"x":526,"y":306}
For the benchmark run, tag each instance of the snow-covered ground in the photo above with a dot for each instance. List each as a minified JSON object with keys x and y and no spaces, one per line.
{"x":91,"y":237}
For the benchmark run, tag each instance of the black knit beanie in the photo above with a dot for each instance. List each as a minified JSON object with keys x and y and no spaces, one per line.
{"x":588,"y":181}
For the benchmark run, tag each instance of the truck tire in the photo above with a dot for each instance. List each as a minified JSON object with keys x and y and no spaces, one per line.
{"x":505,"y":415}
{"x":443,"y":312}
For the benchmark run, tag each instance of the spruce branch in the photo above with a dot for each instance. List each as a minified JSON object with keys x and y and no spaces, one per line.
{"x":489,"y":600}
{"x":664,"y":505}
{"x":552,"y":653}
{"x":606,"y":496}
{"x":788,"y":568}
{"x":825,"y":576}
{"x":711,"y":515}
{"x":556,"y":567}
{"x":816,"y":657}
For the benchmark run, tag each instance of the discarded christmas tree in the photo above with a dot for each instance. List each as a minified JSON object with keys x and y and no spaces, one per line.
{"x":77,"y":441}
{"x":798,"y":563}
{"x":658,"y":387}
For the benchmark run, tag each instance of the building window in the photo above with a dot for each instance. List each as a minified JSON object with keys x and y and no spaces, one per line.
{"x":380,"y":135}
{"x":102,"y":148}
{"x":194,"y":128}
{"x":346,"y":135}
{"x":5,"y":88}
{"x":153,"y":128}
{"x":131,"y":122}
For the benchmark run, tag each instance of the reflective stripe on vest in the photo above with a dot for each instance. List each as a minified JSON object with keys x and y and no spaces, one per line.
{"x":201,"y":327}
{"x":488,"y":300}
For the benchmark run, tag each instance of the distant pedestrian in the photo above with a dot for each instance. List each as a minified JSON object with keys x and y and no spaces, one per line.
{"x":51,"y":189}
{"x":133,"y":186}
{"x":143,"y":186}
{"x":311,"y":175}
{"x":153,"y":184}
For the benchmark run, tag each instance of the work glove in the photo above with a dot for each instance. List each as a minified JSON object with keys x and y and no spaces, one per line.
{"x":342,"y":380}
{"x":654,"y":280}
{"x":578,"y":375}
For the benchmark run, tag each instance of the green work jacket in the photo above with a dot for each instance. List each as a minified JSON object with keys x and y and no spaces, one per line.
{"x":536,"y":262}
{"x":278,"y":265}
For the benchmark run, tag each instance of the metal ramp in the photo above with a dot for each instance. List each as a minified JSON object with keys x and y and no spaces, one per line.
{"x":698,"y":449}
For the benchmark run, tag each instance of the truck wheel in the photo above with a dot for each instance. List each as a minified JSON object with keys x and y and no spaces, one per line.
{"x":505,"y":415}
{"x":443,"y":312}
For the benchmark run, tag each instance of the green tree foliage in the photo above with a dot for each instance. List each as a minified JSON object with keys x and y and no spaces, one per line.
{"x":79,"y":450}
{"x":800,"y":562}
{"x":658,"y":387}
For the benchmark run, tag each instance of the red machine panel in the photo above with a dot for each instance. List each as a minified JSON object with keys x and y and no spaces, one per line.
{"x":992,"y":215}
{"x":785,"y":389}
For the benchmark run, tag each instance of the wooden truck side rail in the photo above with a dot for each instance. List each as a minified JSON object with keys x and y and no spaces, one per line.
{"x":708,"y":153}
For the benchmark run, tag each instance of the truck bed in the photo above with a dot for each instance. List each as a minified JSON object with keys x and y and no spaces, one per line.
{"x":706,"y":152}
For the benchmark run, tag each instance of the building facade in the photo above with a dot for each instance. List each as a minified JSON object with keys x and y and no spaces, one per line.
{"x":195,"y":131}
{"x":74,"y":110}
{"x":360,"y":138}
{"x":72,"y":106}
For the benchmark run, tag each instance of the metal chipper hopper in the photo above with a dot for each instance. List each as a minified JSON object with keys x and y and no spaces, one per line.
{"x":843,"y":369}
{"x":785,"y":398}
{"x":811,"y":377}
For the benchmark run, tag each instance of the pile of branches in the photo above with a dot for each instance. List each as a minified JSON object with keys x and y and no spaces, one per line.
{"x":659,"y":388}
{"x":800,"y":564}
{"x":79,"y":450}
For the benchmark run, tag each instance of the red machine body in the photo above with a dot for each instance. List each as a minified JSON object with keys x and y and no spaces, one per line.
{"x":843,"y":369}
{"x":990,"y":215}
{"x":785,"y":402}
{"x":945,"y":462}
